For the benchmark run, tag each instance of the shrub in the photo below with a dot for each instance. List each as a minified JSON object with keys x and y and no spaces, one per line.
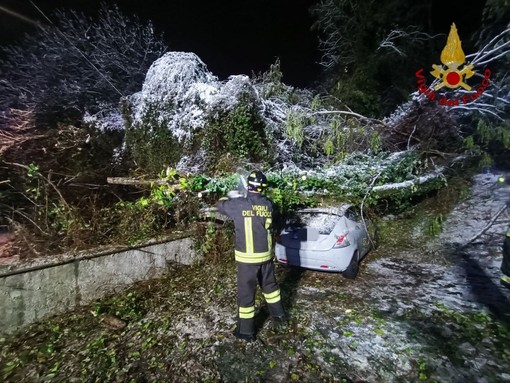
{"x":240,"y":131}
{"x":151,"y":145}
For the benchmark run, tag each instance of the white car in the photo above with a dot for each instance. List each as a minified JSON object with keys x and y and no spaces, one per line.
{"x":328,"y":239}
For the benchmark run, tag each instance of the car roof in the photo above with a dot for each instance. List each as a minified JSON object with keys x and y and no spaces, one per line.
{"x":334,"y":210}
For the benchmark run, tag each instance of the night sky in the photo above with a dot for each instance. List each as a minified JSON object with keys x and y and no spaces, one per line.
{"x":233,"y":37}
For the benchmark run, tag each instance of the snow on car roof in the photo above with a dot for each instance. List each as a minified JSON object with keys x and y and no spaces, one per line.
{"x":336,"y":210}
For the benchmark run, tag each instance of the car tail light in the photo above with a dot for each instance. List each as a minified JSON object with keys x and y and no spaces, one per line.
{"x":341,"y":241}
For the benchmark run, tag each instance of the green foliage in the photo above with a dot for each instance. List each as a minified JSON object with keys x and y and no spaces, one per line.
{"x":163,"y":192}
{"x":329,"y":147}
{"x":273,"y":81}
{"x":359,"y":92}
{"x":128,"y":307}
{"x":137,"y":221}
{"x":485,"y":134}
{"x":348,"y":135}
{"x":240,"y":132}
{"x":214,"y":241}
{"x":158,"y":210}
{"x":422,"y":367}
{"x":504,"y":135}
{"x":294,"y":127}
{"x":172,"y":202}
{"x":352,"y":181}
{"x":469,"y":143}
{"x":219,"y":186}
{"x":336,"y":140}
{"x":316,"y":103}
{"x":151,"y":144}
{"x":491,"y":141}
{"x":485,"y":161}
{"x":271,"y":85}
{"x":375,"y":142}
{"x":33,"y":170}
{"x":285,"y":200}
{"x":55,"y":219}
{"x":175,"y":199}
{"x":472,"y":327}
{"x":198,"y":182}
{"x":435,"y":225}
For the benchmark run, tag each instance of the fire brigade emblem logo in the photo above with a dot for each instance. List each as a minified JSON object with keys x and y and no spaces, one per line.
{"x":453,"y":72}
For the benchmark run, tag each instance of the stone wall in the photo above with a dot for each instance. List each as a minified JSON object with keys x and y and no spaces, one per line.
{"x":30,"y":293}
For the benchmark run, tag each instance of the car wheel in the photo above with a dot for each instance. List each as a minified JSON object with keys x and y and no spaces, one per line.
{"x":352,"y":270}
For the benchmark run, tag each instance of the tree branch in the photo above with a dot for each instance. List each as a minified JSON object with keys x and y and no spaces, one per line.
{"x":491,"y":222}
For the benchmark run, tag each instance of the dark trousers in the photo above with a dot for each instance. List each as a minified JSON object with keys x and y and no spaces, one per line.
{"x":505,"y":265}
{"x":248,"y":275}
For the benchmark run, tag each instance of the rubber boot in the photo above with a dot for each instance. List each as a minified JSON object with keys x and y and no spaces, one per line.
{"x":246,"y":337}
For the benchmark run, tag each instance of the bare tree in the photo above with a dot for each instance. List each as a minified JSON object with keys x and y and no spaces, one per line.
{"x":338,"y":23}
{"x":77,"y":63}
{"x":412,"y":36}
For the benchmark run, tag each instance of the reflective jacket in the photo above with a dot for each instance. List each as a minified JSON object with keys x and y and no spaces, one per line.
{"x":253,"y":219}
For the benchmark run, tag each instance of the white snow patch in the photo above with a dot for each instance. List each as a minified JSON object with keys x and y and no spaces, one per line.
{"x":468,"y":218}
{"x":171,"y":76}
{"x":105,"y":120}
{"x":438,"y":173}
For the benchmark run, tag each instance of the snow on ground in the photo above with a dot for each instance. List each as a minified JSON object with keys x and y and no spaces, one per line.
{"x":468,"y":219}
{"x":402,"y":318}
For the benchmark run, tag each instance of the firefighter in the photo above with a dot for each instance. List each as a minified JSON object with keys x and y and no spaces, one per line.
{"x":505,"y":265}
{"x":253,"y":219}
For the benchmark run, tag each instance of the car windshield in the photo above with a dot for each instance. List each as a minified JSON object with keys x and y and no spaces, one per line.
{"x":322,"y":222}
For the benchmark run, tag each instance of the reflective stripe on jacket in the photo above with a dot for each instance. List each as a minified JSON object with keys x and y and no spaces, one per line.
{"x":253,"y":218}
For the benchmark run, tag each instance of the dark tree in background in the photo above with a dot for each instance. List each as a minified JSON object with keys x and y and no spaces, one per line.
{"x":371,"y":49}
{"x":495,"y":19}
{"x":77,"y":64}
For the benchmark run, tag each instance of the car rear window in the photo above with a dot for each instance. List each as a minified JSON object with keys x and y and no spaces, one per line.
{"x":322,"y":222}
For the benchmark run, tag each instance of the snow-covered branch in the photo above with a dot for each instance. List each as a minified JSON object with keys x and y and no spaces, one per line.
{"x":496,"y":49}
{"x":474,"y":107}
{"x":486,"y":94}
{"x":497,"y":46}
{"x":437,"y":174}
{"x":345,"y":112}
{"x":390,"y":41}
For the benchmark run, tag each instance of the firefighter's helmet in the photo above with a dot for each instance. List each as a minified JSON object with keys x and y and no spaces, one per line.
{"x":257,"y":181}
